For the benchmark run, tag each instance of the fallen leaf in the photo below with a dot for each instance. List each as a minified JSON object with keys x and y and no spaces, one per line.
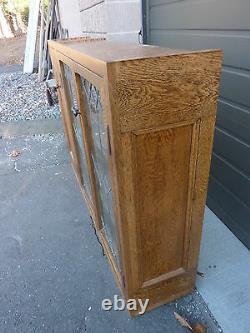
{"x":14,"y":153}
{"x":183,"y":321}
{"x":199,"y":328}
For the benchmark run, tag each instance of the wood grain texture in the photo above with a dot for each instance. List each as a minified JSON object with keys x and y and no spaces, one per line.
{"x":200,"y":187}
{"x":113,"y":51}
{"x":160,"y":107}
{"x":161,"y":187}
{"x":150,"y":98}
{"x":56,"y":71}
{"x":177,"y":88}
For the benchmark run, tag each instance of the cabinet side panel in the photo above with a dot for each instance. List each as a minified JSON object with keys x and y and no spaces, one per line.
{"x":161,"y":173}
{"x":158,"y":91}
{"x":163,"y":112}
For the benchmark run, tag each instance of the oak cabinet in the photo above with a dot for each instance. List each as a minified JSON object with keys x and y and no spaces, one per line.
{"x":139,"y":122}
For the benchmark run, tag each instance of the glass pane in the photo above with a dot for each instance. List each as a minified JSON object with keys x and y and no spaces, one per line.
{"x":99,"y":153}
{"x":77,"y":129}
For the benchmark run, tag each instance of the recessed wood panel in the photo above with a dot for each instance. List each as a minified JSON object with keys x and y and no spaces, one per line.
{"x":162,"y":160}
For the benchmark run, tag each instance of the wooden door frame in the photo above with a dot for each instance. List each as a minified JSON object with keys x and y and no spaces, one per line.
{"x":100,"y":82}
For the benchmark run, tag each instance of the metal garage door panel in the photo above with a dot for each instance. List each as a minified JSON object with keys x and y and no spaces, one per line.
{"x":237,"y":183}
{"x":233,"y":212}
{"x":224,"y":24}
{"x":235,"y":86}
{"x":225,"y":144}
{"x":200,"y":14}
{"x":236,"y":45}
{"x":234,"y":119}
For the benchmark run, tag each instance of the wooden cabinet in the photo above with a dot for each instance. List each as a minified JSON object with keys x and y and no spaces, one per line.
{"x":139,"y":122}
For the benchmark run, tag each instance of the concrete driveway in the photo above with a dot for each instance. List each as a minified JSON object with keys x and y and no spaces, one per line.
{"x":53,"y":275}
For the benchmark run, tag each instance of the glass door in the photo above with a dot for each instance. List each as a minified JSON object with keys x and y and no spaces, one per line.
{"x":77,"y":128}
{"x":99,"y":151}
{"x":90,"y":148}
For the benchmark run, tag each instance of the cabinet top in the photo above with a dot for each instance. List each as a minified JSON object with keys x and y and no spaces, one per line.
{"x":107,"y":51}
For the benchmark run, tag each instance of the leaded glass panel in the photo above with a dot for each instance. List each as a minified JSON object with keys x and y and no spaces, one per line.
{"x":99,"y":153}
{"x":78,"y":129}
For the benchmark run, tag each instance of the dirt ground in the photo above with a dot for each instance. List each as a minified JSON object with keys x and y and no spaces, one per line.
{"x":12,"y":50}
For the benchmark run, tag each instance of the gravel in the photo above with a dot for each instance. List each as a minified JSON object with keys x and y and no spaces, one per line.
{"x":23,"y":97}
{"x":193,"y":308}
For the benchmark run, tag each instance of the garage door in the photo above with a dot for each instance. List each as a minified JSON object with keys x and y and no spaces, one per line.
{"x":224,"y":24}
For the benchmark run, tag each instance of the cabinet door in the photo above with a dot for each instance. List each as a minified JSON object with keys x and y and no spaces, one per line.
{"x":100,"y":153}
{"x":77,"y":128}
{"x":90,"y":148}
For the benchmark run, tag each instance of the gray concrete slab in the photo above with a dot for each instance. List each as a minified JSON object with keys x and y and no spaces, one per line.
{"x":35,"y":151}
{"x":30,"y":127}
{"x":11,"y":68}
{"x":225,"y":286}
{"x":53,"y":276}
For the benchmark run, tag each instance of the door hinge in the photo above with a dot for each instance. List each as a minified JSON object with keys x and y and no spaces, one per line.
{"x":108,"y":137}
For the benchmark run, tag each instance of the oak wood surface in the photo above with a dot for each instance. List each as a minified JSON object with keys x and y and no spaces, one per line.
{"x":109,"y":51}
{"x":177,"y":89}
{"x":160,"y":108}
{"x":161,"y":187}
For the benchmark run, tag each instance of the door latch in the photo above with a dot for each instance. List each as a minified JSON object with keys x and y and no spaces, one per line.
{"x":75,"y":110}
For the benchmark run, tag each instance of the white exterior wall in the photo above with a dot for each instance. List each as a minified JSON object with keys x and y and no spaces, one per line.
{"x":70,"y":17}
{"x":124,"y":20}
{"x":93,"y":18}
{"x":113,"y":19}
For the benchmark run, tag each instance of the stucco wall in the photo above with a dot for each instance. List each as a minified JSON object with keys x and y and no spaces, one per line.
{"x":70,"y":17}
{"x":93,"y":17}
{"x":123,"y":19}
{"x":113,"y":19}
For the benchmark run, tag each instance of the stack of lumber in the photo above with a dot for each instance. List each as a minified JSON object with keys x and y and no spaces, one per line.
{"x":50,"y":28}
